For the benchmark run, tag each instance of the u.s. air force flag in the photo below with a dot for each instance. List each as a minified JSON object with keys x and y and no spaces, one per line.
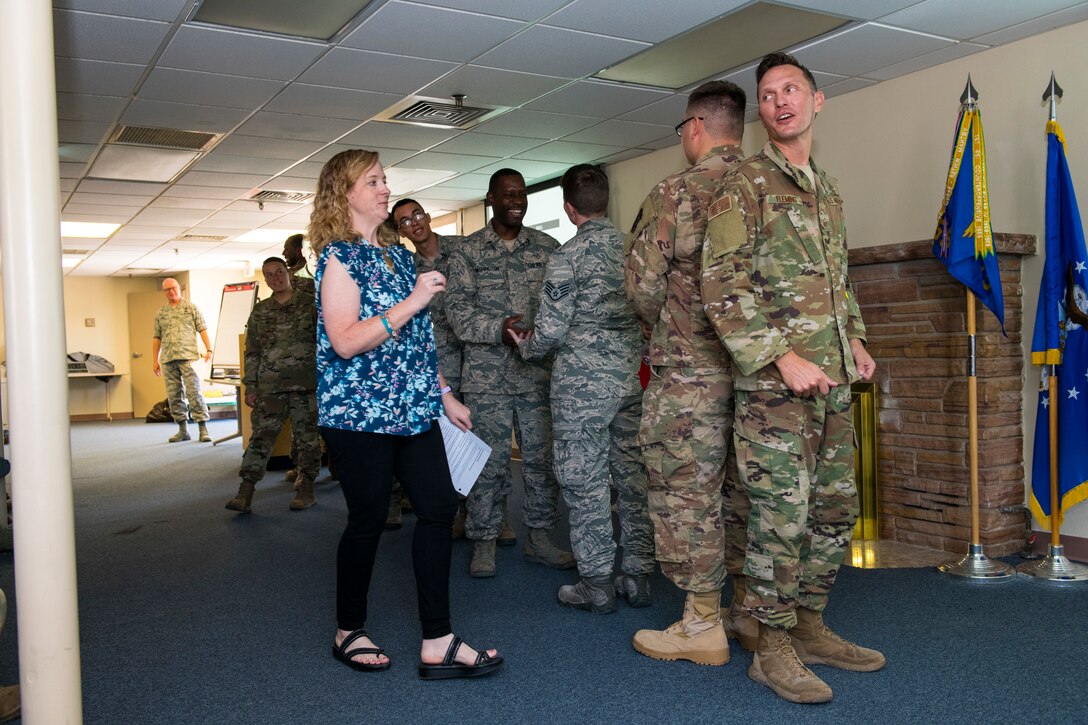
{"x":964,"y":240}
{"x":1061,"y":338}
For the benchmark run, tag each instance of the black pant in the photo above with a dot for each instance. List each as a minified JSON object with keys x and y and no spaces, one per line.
{"x":366,"y":464}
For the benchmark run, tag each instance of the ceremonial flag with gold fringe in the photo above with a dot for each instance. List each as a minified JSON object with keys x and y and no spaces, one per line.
{"x":964,"y":240}
{"x":1061,"y":339}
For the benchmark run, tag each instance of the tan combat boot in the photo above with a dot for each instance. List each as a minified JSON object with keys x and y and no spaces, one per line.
{"x":304,"y":496}
{"x":181,"y":435}
{"x":205,"y":436}
{"x":243,"y":499}
{"x":507,"y":535}
{"x":540,"y":550}
{"x":738,"y":622}
{"x":698,"y":637}
{"x":482,"y":565}
{"x":816,"y":644}
{"x":777,"y":666}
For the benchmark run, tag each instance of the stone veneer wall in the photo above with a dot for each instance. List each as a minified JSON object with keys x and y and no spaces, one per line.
{"x":915,"y":315}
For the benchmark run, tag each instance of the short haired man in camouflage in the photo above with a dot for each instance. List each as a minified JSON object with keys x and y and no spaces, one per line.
{"x":688,"y":405}
{"x":173,"y":348}
{"x":280,"y":381}
{"x":596,"y":399}
{"x":775,"y":286}
{"x":493,"y":282}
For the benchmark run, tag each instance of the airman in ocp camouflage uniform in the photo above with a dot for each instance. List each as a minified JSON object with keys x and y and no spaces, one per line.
{"x":596,"y":399}
{"x":493,"y":281}
{"x":280,"y":382}
{"x":775,"y":286}
{"x":698,"y":513}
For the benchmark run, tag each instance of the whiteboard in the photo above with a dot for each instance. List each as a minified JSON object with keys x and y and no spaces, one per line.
{"x":237,"y":303}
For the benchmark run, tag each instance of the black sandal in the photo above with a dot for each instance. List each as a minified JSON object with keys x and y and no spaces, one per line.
{"x":450,"y":668}
{"x":342,"y":653}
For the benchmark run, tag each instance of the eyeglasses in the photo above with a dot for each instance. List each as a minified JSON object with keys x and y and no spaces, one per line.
{"x":414,"y":219}
{"x":680,"y":126}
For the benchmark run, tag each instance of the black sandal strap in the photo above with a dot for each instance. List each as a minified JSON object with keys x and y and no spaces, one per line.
{"x":483,"y":657}
{"x":347,"y":641}
{"x":451,"y":653}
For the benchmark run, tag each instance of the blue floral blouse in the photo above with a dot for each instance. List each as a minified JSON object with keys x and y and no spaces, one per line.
{"x":394,"y":387}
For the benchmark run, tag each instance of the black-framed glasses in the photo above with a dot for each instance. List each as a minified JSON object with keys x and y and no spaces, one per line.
{"x":680,"y":126}
{"x":414,"y":219}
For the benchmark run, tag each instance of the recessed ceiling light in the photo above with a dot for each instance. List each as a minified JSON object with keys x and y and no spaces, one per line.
{"x":87,"y":230}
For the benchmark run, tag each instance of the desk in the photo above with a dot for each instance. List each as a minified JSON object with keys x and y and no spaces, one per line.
{"x":105,"y":378}
{"x":237,"y":384}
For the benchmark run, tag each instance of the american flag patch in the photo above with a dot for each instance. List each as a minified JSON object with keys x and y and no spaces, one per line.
{"x":720,"y":206}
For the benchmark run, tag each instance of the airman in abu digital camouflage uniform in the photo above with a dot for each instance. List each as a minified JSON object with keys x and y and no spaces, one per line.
{"x":596,"y":399}
{"x":173,"y":348}
{"x":688,"y":407}
{"x":280,"y":382}
{"x":493,"y":281}
{"x":775,"y":286}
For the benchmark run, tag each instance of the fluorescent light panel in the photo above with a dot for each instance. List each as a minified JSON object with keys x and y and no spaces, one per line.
{"x":318,"y":20}
{"x":726,"y":43}
{"x":87,"y":230}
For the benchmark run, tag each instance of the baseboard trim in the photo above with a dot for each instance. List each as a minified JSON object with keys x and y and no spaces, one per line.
{"x":89,"y":417}
{"x":1076,"y":547}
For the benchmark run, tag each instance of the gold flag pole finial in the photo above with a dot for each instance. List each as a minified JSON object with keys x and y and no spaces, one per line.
{"x":969,"y":97}
{"x":1053,"y":93}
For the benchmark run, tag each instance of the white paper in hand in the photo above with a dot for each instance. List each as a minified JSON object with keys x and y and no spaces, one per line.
{"x":466,"y":455}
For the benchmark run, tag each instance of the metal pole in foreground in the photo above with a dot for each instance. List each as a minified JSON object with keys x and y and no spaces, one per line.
{"x":975,"y":565}
{"x":1054,"y":566}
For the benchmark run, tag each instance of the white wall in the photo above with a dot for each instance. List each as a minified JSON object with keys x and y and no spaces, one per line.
{"x":889,"y":147}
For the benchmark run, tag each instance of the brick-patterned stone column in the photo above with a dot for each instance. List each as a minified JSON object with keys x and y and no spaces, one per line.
{"x":915,"y":315}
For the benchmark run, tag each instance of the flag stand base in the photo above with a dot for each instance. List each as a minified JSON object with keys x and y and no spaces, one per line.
{"x":1055,"y":567}
{"x":976,"y":565}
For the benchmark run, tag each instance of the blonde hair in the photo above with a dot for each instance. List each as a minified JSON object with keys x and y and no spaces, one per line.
{"x":330,"y":219}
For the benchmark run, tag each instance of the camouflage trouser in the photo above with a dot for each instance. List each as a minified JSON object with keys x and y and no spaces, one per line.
{"x":796,"y":460}
{"x":271,"y":410}
{"x":181,"y":382}
{"x":493,"y":417}
{"x":698,"y":511}
{"x":595,"y":436}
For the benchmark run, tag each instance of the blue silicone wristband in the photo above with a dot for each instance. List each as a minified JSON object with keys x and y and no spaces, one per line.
{"x":388,"y":327}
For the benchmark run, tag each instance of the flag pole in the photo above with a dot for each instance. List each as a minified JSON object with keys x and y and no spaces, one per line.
{"x":975,"y":565}
{"x":1054,"y":566}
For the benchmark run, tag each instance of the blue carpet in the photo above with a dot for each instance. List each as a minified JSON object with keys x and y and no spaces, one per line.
{"x":192,"y":614}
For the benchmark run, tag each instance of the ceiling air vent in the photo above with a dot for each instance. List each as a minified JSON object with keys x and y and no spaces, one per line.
{"x":163,"y":138}
{"x":294,"y":197}
{"x":201,"y":238}
{"x":439,"y":113}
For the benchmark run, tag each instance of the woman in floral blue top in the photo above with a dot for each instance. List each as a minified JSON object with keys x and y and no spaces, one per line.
{"x":379,"y":395}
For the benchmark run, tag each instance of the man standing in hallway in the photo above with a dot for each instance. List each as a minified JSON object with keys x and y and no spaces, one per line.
{"x":173,"y":348}
{"x":596,"y":399}
{"x":688,"y":405}
{"x":776,"y":289}
{"x":493,"y":286}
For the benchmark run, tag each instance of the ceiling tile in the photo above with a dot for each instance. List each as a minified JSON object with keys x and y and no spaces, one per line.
{"x":298,"y":128}
{"x":620,"y":133}
{"x":532,"y":170}
{"x":157,"y":216}
{"x":1040,"y":25}
{"x":519,"y":9}
{"x":244,"y":54}
{"x":185,"y":116}
{"x":227,"y":181}
{"x":106,"y":37}
{"x":80,"y":107}
{"x":623,"y":156}
{"x":866,"y":47}
{"x":445,"y":193}
{"x":396,"y":136}
{"x":647,"y":20}
{"x":182,"y":202}
{"x":76,"y":152}
{"x":95,"y":77}
{"x":559,"y":52}
{"x":593,"y":98}
{"x":99,"y":186}
{"x":137,"y":200}
{"x":666,"y":112}
{"x":292,"y":183}
{"x":433,"y":32}
{"x":566,"y":152}
{"x":306,"y":99}
{"x":959,"y":50}
{"x":114,"y":211}
{"x":242,"y":145}
{"x":152,"y":9}
{"x":240,"y":164}
{"x":388,"y":156}
{"x":868,"y":10}
{"x":81,"y":131}
{"x":368,"y":71}
{"x":213,"y":89}
{"x":846,"y":86}
{"x":485,"y":144}
{"x":447,"y":162}
{"x":491,"y":86}
{"x":536,"y":124}
{"x":964,"y":20}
